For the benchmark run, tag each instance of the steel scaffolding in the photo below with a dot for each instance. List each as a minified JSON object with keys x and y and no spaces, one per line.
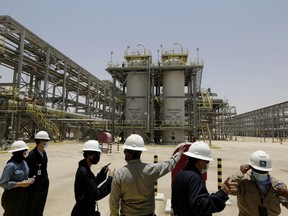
{"x":271,"y":121}
{"x":50,"y":91}
{"x":43,"y":75}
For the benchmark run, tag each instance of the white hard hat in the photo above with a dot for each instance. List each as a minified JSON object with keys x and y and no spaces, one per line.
{"x":18,"y":145}
{"x":134,"y":142}
{"x":261,"y":161}
{"x":91,"y":145}
{"x":42,"y":135}
{"x":199,"y":150}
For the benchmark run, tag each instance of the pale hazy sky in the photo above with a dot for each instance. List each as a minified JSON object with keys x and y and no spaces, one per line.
{"x":244,"y":44}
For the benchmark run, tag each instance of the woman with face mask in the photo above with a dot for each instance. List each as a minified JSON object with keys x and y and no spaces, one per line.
{"x":256,"y":194}
{"x":190,"y":196}
{"x":37,"y":161}
{"x":15,"y":181}
{"x":86,"y":188}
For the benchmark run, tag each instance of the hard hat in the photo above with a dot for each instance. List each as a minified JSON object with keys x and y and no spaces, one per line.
{"x":18,"y":145}
{"x":42,"y":135}
{"x":91,"y":145}
{"x":261,"y":161}
{"x":199,"y":150}
{"x":134,"y":142}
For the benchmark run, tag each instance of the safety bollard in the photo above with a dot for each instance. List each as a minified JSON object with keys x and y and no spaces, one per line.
{"x":110,"y":148}
{"x":156,"y":184}
{"x":219,"y":172}
{"x":118,"y":147}
{"x":158,"y":196}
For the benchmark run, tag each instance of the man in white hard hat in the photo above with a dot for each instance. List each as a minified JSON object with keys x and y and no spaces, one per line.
{"x":189,"y":193}
{"x":132,"y":191}
{"x":256,"y":194}
{"x":14,"y":180}
{"x":86,"y":188}
{"x":37,"y":161}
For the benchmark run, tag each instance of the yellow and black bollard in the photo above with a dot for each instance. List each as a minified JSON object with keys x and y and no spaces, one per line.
{"x":219,"y":172}
{"x":118,"y":150}
{"x":158,"y":196}
{"x":110,"y":148}
{"x":156,"y":184}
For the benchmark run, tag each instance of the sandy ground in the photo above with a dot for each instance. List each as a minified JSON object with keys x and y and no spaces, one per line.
{"x":64,"y":157}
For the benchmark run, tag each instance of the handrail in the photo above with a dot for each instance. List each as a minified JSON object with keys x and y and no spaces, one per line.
{"x":123,"y":64}
{"x":38,"y":114}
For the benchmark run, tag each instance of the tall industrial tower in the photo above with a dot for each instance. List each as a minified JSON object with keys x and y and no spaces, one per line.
{"x":161,"y":100}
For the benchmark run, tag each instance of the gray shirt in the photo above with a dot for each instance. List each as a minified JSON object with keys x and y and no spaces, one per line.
{"x":13,"y":172}
{"x":132,"y":188}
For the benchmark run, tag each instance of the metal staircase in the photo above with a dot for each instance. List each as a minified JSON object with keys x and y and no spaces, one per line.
{"x":42,"y":121}
{"x":205,"y":99}
{"x":205,"y":106}
{"x":206,"y":133}
{"x":12,"y":103}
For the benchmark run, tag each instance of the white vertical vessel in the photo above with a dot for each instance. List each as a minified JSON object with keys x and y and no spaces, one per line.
{"x":173,"y":103}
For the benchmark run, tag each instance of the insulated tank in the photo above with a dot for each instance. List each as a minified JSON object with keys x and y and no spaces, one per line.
{"x":173,"y":104}
{"x":136,"y":103}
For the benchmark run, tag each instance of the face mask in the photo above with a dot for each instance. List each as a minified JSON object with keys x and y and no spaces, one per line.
{"x":260,"y":177}
{"x":205,"y":169}
{"x":46,"y":145}
{"x":25,"y":154}
{"x":95,"y":159}
{"x":18,"y":156}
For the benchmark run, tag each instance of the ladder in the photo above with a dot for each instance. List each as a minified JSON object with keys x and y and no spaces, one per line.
{"x":205,"y":101}
{"x":206,"y":133}
{"x":42,"y":121}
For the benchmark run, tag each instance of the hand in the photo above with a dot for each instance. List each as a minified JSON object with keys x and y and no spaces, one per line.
{"x":229,"y":186}
{"x":282,"y":192}
{"x":24,"y":183}
{"x":244,"y":168}
{"x":105,"y":168}
{"x":31,"y":180}
{"x":111,"y":172}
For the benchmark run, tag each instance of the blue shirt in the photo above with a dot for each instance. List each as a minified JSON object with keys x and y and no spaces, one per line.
{"x":13,"y":172}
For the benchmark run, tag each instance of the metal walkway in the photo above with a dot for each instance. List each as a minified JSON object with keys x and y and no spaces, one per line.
{"x":43,"y":75}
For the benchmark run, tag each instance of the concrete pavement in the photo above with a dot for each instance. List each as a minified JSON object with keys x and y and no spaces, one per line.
{"x":64,"y":157}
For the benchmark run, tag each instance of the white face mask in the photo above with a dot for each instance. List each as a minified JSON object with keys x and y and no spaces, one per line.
{"x":25,"y":154}
{"x":46,"y":145}
{"x":205,"y":169}
{"x":260,"y":177}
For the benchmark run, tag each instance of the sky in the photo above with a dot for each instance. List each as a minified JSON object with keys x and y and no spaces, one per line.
{"x":244,"y":44}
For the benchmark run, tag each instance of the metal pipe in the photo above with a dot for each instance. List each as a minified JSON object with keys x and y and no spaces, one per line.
{"x":47,"y":67}
{"x":143,"y":47}
{"x":195,"y":123}
{"x":177,"y":43}
{"x":64,"y":106}
{"x":111,"y":55}
{"x":113,"y":105}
